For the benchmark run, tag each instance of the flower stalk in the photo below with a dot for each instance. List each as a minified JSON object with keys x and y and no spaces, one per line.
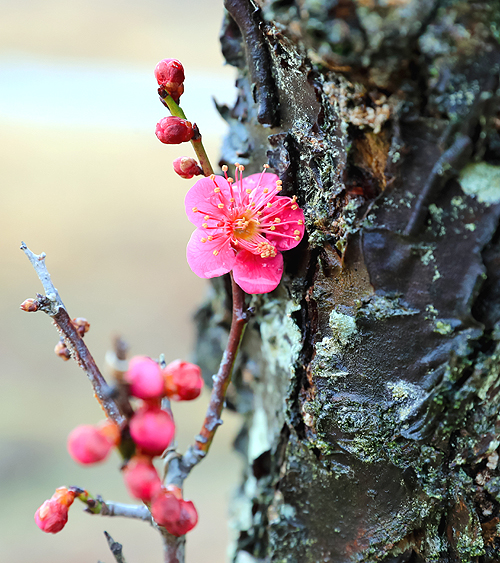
{"x":196,"y":142}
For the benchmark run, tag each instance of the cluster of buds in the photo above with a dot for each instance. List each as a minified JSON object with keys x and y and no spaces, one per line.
{"x":176,"y":129}
{"x":152,"y":430}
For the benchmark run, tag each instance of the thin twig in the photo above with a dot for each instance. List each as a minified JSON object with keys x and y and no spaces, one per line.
{"x":116,"y":549}
{"x":221,"y":381}
{"x":196,"y":142}
{"x":108,"y":508}
{"x":54,"y":307}
{"x":248,"y":18}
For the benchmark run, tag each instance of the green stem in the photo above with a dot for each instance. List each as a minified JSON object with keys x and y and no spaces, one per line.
{"x":196,"y":142}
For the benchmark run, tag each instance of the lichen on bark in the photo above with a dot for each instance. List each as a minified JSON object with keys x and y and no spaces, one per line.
{"x":369,"y":380}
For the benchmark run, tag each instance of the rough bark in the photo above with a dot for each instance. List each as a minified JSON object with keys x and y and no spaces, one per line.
{"x":369,"y":379}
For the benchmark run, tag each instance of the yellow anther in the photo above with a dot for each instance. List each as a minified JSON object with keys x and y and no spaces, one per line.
{"x":278,"y":188}
{"x":269,"y":204}
{"x":217,"y":190}
{"x":195,"y":209}
{"x":279,"y":182}
{"x":294,"y":198}
{"x":272,"y":228}
{"x":203,"y":239}
{"x":207,"y":217}
{"x":220,"y":205}
{"x":210,"y":238}
{"x":252,"y":204}
{"x":248,"y":190}
{"x":297,"y":238}
{"x":212,"y":177}
{"x":205,"y":225}
{"x":232,"y":200}
{"x":294,"y":207}
{"x":300,"y":222}
{"x":230,"y":180}
{"x":224,"y":168}
{"x":277,"y":220}
{"x":265,"y":190}
{"x":215,"y":252}
{"x":241,"y":167}
{"x":296,"y":232}
{"x":259,"y":212}
{"x":265,"y":166}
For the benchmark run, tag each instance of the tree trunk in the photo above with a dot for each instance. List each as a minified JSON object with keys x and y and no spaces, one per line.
{"x":369,"y":380}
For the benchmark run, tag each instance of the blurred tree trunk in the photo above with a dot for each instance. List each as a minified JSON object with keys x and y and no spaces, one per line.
{"x":369,"y":379}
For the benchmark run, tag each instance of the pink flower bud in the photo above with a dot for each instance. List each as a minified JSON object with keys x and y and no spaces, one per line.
{"x":141,"y":478}
{"x":152,"y":429}
{"x":173,"y":130}
{"x":169,"y":73}
{"x":187,"y":167}
{"x":90,"y":444}
{"x":183,"y":381}
{"x":175,"y":514}
{"x":145,"y":378}
{"x":52,"y":516}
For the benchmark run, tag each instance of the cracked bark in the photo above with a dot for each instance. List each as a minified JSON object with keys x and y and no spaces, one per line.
{"x":369,"y":380}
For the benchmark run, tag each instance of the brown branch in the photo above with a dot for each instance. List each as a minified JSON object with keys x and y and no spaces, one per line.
{"x":54,"y":307}
{"x":221,"y":381}
{"x":248,"y":18}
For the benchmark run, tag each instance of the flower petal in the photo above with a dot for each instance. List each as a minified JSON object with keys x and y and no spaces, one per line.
{"x":291,"y":223}
{"x":203,"y":198}
{"x":255,"y":274}
{"x":201,"y":258}
{"x":254,"y":181}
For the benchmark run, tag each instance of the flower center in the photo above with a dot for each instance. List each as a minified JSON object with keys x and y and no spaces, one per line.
{"x":245,"y":227}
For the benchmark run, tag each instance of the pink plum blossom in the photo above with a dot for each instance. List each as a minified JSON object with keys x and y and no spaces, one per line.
{"x":242,"y":226}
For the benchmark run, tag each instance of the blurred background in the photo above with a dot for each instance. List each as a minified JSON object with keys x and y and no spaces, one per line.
{"x":84,"y":179}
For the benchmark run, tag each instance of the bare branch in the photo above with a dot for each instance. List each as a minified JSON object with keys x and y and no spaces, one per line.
{"x":108,"y":508}
{"x":38,"y":262}
{"x":212,"y":420}
{"x":116,"y":549}
{"x":54,"y":307}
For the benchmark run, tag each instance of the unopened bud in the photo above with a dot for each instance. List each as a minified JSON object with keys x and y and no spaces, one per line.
{"x":30,"y":305}
{"x":81,"y":325}
{"x":169,"y":74}
{"x":175,"y":514}
{"x":145,"y":378}
{"x":187,"y":167}
{"x":89,"y":444}
{"x":141,"y":478}
{"x":152,"y":429}
{"x":61,"y":350}
{"x":52,"y":516}
{"x":173,"y":130}
{"x":183,"y":381}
